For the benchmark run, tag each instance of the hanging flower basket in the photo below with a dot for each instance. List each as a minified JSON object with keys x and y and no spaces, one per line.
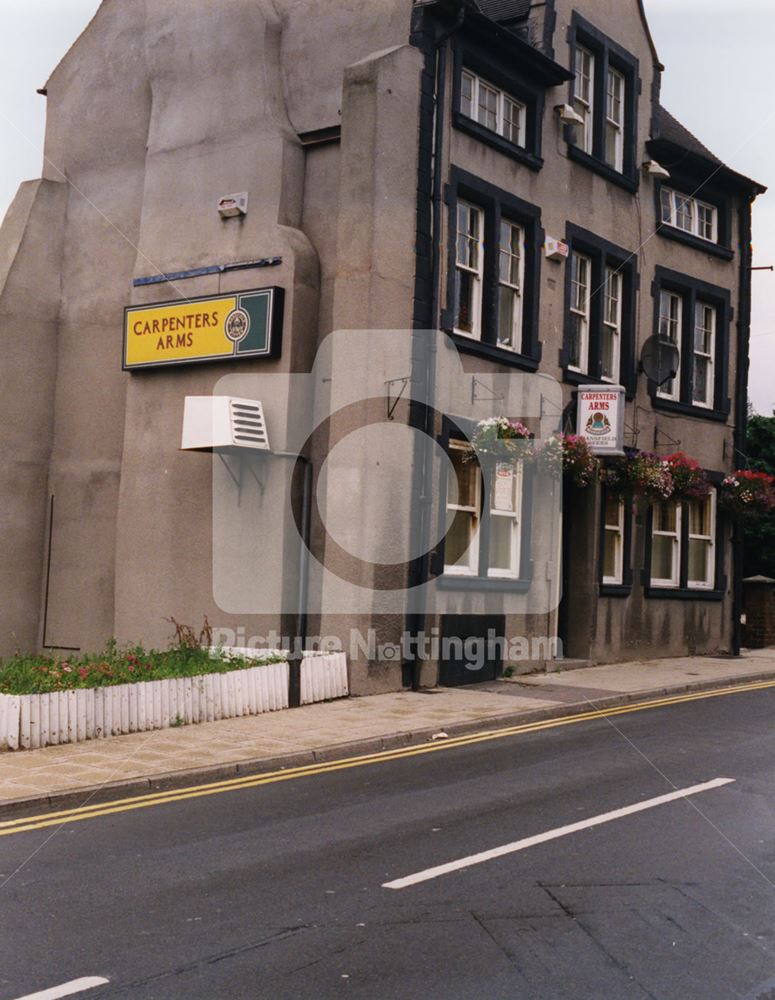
{"x":748,"y":495}
{"x":569,"y":455}
{"x":690,"y":482}
{"x":502,"y":439}
{"x":640,"y":474}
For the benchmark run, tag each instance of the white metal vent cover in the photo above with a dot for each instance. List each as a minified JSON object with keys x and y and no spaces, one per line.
{"x":223,"y":423}
{"x":247,"y":424}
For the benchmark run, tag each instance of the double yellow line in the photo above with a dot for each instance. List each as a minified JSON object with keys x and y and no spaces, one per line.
{"x":78,"y":814}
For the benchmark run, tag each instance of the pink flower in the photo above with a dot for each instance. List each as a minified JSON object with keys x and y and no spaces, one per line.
{"x":83,"y":672}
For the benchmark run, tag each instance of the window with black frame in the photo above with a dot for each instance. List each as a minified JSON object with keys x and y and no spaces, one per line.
{"x":604,"y":94}
{"x":682,"y":551}
{"x":600,"y":316}
{"x":694,"y":316}
{"x":493,"y":273}
{"x":486,"y":512}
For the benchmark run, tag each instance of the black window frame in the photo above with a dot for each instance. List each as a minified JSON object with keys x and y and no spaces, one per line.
{"x":694,"y":186}
{"x":461,"y":429}
{"x":691,"y":291}
{"x":607,"y":53}
{"x":475,"y":57}
{"x":495,"y":203}
{"x":683,"y":591}
{"x":603,"y":254}
{"x":623,"y":589}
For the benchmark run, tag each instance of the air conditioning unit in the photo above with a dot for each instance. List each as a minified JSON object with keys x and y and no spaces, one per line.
{"x":223,"y":424}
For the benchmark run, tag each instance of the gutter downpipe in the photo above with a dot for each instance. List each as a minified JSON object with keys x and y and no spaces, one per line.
{"x":741,"y":405}
{"x":296,"y":652}
{"x":422,"y":412}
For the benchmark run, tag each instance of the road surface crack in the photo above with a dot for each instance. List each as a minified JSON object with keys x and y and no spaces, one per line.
{"x":280,"y":935}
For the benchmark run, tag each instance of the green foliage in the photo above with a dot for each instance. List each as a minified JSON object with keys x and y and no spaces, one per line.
{"x":760,"y":536}
{"x":32,"y":674}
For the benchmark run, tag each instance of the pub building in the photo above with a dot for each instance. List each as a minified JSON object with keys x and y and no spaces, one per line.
{"x":228,"y":188}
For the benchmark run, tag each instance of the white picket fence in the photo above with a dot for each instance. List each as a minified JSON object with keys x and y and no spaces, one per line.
{"x":37,"y":720}
{"x":323,"y":675}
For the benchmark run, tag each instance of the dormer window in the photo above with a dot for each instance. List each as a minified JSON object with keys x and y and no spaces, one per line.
{"x":492,"y":108}
{"x":689,"y":214}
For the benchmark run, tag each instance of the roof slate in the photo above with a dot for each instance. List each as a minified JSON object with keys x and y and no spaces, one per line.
{"x":673,"y":133}
{"x":671,"y":130}
{"x":504,"y":11}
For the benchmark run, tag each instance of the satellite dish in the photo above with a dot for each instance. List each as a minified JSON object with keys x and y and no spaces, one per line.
{"x":659,"y":359}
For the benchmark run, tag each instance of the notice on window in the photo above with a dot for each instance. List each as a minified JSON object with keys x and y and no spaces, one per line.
{"x":600,"y":418}
{"x":503,"y":491}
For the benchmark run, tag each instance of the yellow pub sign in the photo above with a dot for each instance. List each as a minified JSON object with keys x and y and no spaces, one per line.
{"x":216,"y":328}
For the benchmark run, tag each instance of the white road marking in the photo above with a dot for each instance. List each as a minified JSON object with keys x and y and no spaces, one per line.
{"x":560,"y":831}
{"x":68,"y":989}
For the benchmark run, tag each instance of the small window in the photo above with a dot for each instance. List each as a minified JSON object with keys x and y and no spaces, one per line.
{"x":469,"y":261}
{"x":702,"y":533}
{"x":666,"y":545}
{"x":511,"y":270}
{"x":578,"y":346}
{"x":584,"y":96}
{"x":689,"y":214}
{"x":612,"y":325}
{"x":670,"y":324}
{"x":614,"y":120}
{"x":704,"y":344}
{"x":505,"y":526}
{"x":461,"y":545}
{"x":613,"y":541}
{"x":492,"y":108}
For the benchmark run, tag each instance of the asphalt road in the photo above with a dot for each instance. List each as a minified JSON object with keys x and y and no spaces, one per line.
{"x":278,"y":891}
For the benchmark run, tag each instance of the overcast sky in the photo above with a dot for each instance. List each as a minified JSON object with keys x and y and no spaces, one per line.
{"x":718,"y":58}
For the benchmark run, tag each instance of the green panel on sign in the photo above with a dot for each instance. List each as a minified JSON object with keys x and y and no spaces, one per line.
{"x":257,"y":307}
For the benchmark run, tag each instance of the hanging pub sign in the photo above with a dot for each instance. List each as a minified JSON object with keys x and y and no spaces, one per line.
{"x":216,"y":328}
{"x":600,"y":418}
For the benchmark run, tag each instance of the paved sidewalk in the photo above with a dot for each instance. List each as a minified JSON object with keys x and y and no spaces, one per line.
{"x":350,"y":726}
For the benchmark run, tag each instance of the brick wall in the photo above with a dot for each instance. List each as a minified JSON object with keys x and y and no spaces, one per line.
{"x":759,"y":609}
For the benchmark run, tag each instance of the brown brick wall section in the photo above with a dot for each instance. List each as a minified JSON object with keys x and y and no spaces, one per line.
{"x":759,"y":608}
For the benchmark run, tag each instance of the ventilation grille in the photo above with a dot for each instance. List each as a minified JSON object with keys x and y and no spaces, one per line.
{"x":247,"y":424}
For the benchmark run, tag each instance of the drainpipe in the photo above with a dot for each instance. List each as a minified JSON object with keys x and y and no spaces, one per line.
{"x":298,"y":641}
{"x":741,"y":405}
{"x":421,"y":412}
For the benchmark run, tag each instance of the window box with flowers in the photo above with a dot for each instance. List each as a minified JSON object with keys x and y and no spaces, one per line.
{"x":569,"y":455}
{"x":748,"y":495}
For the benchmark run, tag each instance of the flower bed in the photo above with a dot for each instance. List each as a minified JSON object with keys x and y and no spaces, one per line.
{"x":93,"y":699}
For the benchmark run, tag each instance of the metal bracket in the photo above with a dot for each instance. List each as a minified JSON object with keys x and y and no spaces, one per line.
{"x":666,"y":439}
{"x":238,"y":479}
{"x":634,"y":427}
{"x":492,"y":395}
{"x":393,"y":401}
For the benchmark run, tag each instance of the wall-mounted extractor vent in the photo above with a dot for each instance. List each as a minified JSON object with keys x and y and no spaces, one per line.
{"x":223,"y":423}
